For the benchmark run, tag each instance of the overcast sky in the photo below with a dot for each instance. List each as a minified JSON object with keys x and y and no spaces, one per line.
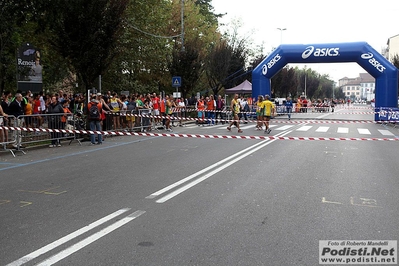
{"x":314,"y":22}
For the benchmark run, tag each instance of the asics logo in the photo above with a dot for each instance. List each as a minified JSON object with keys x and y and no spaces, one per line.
{"x":270,"y":64}
{"x":367,"y":55}
{"x":318,"y":52}
{"x":370,"y":57}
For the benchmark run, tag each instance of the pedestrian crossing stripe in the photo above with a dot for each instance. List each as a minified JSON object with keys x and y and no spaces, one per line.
{"x":386,"y":132}
{"x":343,"y":130}
{"x":319,"y":129}
{"x":283,"y":127}
{"x":364,"y":131}
{"x":304,"y":128}
{"x":322,"y":129}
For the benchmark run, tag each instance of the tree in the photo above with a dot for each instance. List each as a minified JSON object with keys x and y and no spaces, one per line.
{"x":284,"y":83}
{"x":200,"y":33}
{"x":144,"y":47}
{"x":13,"y":16}
{"x":187,"y":64}
{"x":85,"y":34}
{"x":217,"y":65}
{"x":228,"y":60}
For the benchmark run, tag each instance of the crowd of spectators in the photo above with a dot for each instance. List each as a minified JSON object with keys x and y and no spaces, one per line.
{"x":118,"y":112}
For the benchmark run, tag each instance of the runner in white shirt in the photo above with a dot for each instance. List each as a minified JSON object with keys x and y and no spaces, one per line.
{"x":182,"y":110}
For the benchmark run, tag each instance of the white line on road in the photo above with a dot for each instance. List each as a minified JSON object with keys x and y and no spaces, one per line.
{"x":284,"y":127}
{"x":160,"y":192}
{"x":322,"y":129}
{"x":304,"y":128}
{"x":229,"y":162}
{"x":343,"y":130}
{"x":386,"y":132}
{"x":87,"y":241}
{"x":65,"y":239}
{"x":322,"y":116}
{"x":363,"y":131}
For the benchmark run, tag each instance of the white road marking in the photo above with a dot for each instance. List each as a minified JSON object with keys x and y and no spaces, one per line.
{"x":304,"y":128}
{"x":322,"y":116}
{"x":322,"y":129}
{"x":386,"y":132}
{"x":178,"y":183}
{"x":222,"y":166}
{"x":160,"y":192}
{"x":363,"y":131}
{"x":87,"y":241}
{"x":343,"y":130}
{"x":284,"y":127}
{"x":65,"y":239}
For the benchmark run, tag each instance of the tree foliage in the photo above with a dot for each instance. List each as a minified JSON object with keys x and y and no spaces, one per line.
{"x":137,"y":46}
{"x":85,"y":33}
{"x":14,"y":14}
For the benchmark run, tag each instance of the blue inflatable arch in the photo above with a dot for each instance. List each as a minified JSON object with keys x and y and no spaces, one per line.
{"x":384,"y":72}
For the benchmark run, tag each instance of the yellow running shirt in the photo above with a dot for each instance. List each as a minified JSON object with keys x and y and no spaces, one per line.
{"x":267,"y":107}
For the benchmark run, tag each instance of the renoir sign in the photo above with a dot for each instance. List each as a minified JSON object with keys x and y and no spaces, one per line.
{"x":30,"y":69}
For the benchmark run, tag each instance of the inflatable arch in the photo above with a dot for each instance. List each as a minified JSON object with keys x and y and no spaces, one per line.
{"x":384,"y":72}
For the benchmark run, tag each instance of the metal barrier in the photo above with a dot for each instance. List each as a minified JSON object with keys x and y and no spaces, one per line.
{"x":134,"y":120}
{"x":18,"y":139}
{"x":8,"y":137}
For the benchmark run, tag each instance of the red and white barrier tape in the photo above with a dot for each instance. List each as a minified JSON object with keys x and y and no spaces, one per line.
{"x":294,"y":107}
{"x":178,"y":135}
{"x":272,"y":121}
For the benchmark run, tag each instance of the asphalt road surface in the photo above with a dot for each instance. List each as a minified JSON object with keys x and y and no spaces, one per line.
{"x":199,"y":201}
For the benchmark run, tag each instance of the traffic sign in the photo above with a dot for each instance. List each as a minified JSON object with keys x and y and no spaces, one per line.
{"x":176,"y":82}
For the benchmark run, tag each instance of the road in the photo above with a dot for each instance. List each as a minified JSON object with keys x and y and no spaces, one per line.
{"x":199,"y":201}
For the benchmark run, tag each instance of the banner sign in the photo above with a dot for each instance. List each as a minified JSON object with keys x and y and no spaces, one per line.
{"x":387,"y":114}
{"x":29,"y":68}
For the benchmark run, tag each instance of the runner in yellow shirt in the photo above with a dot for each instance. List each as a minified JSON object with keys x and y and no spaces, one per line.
{"x":235,"y":109}
{"x":268,"y":111}
{"x":259,"y":115}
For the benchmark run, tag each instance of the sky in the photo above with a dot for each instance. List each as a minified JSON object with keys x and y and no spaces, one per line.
{"x":314,"y":22}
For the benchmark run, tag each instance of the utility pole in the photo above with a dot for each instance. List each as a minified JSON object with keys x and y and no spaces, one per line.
{"x":305,"y":85}
{"x":182,"y":26}
{"x":333,"y":90}
{"x":305,"y":80}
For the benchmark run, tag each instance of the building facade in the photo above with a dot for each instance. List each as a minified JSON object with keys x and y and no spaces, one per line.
{"x":361,"y":88}
{"x":392,"y":48}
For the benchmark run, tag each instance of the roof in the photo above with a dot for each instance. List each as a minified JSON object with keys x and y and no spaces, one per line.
{"x":397,"y":35}
{"x":353,"y":82}
{"x":366,"y":77}
{"x":245,"y":87}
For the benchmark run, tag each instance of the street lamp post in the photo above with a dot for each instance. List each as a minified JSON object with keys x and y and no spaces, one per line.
{"x":333,"y":90}
{"x":281,"y":34}
{"x":305,"y":80}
